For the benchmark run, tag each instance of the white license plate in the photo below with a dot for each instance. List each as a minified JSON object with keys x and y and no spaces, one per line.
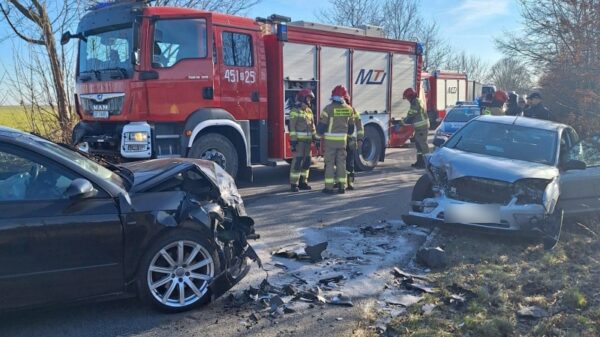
{"x":100,"y":114}
{"x":472,"y":214}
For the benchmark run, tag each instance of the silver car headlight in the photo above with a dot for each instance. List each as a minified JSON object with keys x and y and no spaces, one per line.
{"x":530,"y":191}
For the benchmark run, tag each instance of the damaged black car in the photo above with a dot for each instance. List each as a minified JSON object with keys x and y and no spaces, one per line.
{"x":172,"y":231}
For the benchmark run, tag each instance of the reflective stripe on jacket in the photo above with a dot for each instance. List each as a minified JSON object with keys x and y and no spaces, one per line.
{"x":417,"y":115}
{"x":302,"y":126}
{"x":335,"y":119}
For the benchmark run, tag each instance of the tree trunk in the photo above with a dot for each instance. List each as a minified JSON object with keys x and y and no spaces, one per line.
{"x":62,"y":101}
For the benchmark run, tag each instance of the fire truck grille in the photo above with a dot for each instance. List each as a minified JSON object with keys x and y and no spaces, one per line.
{"x":482,"y":191}
{"x":113,"y":103}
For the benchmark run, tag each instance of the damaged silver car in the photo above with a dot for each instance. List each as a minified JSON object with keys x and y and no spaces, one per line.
{"x":172,"y":231}
{"x":509,"y":173}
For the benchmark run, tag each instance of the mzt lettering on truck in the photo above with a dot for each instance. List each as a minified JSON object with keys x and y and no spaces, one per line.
{"x":370,"y":76}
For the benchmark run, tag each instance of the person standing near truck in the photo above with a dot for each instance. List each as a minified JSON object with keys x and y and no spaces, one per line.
{"x":333,"y":128}
{"x":536,"y":108}
{"x":356,"y":134}
{"x":418,"y":118}
{"x":302,"y":133}
{"x":512,"y":106}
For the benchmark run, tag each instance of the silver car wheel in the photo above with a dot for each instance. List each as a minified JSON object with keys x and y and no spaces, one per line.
{"x":179,"y":273}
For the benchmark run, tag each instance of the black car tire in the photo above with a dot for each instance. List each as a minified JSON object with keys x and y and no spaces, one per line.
{"x":423,"y":189}
{"x":175,"y":236}
{"x":218,"y":148}
{"x":373,"y":144}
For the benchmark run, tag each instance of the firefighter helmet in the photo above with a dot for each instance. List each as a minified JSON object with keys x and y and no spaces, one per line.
{"x":339,"y":91}
{"x":347,"y":99}
{"x":303,"y":94}
{"x":409,"y":93}
{"x":500,"y":96}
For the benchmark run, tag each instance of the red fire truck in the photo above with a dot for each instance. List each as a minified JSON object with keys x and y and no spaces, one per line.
{"x":158,"y":82}
{"x":442,"y":89}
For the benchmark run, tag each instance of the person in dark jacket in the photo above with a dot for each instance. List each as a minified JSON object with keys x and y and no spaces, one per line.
{"x":512,"y":106}
{"x":536,"y":108}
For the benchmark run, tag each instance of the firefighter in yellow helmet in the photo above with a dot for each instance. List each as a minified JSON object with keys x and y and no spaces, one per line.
{"x":420,"y":121}
{"x":302,"y":133}
{"x":333,"y":127}
{"x":356,"y":134}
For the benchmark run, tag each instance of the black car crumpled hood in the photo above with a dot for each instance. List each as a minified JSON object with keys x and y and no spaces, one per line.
{"x":460,"y":164}
{"x":147,"y":173}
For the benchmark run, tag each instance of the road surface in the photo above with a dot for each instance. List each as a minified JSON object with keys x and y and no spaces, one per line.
{"x":282,"y":218}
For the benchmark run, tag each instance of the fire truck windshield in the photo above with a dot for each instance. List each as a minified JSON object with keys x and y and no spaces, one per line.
{"x":106,"y":55}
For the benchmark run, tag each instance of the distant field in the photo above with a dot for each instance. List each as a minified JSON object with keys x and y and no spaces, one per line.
{"x":14,"y":117}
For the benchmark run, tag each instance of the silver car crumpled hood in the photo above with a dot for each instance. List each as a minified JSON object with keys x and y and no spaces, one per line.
{"x":459,"y":164}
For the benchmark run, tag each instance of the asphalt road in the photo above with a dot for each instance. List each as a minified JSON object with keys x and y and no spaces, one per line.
{"x":382,"y":194}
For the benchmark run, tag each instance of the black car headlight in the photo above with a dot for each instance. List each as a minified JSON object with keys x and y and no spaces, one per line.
{"x":530,"y":191}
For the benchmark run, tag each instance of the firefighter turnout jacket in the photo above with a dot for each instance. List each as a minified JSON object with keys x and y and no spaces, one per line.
{"x":417,"y":115}
{"x":335,"y":121}
{"x":302,"y":125}
{"x":356,"y":129}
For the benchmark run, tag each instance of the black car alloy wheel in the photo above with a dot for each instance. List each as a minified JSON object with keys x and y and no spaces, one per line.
{"x":177,"y":271}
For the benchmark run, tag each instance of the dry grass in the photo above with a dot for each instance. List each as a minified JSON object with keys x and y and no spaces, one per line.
{"x":505,"y":275}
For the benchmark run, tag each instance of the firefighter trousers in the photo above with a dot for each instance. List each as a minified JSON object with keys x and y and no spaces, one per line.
{"x":335,"y":165}
{"x":421,"y":141}
{"x":300,"y":163}
{"x":350,"y":154}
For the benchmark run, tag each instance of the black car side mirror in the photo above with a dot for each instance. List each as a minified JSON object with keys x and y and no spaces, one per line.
{"x":80,"y":189}
{"x":438,"y":142}
{"x":574,"y":165}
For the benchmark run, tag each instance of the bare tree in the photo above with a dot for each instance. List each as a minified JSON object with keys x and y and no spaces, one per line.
{"x":561,"y":39}
{"x":352,"y":13}
{"x":31,"y":21}
{"x":222,"y":6}
{"x":402,"y":20}
{"x":511,"y":74}
{"x":475,"y":68}
{"x":435,"y":50}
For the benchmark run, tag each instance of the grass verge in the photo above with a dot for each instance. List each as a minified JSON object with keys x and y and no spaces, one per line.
{"x":501,"y":275}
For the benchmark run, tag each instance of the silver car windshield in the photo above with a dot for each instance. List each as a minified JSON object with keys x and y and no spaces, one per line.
{"x":506,"y":141}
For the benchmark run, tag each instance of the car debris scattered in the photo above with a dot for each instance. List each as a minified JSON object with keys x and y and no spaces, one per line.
{"x":331,"y":268}
{"x":434,"y":258}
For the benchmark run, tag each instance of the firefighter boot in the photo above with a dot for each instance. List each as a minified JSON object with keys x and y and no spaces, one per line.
{"x":341,"y":190}
{"x":350,"y":185}
{"x":420,"y":164}
{"x":303,"y":185}
{"x":294,"y":188}
{"x":328,"y":191}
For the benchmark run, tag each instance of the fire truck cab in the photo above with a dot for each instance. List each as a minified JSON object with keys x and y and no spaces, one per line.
{"x":158,"y":82}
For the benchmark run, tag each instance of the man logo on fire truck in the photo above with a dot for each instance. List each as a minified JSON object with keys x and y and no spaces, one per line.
{"x":366,"y":77}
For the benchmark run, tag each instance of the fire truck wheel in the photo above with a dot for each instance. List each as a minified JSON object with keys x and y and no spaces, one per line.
{"x":369,"y":153}
{"x":217,"y":148}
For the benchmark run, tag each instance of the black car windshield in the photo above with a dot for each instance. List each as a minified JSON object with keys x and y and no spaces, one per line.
{"x":106,"y":51}
{"x":81,"y":161}
{"x":462,"y":114}
{"x":506,"y":141}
